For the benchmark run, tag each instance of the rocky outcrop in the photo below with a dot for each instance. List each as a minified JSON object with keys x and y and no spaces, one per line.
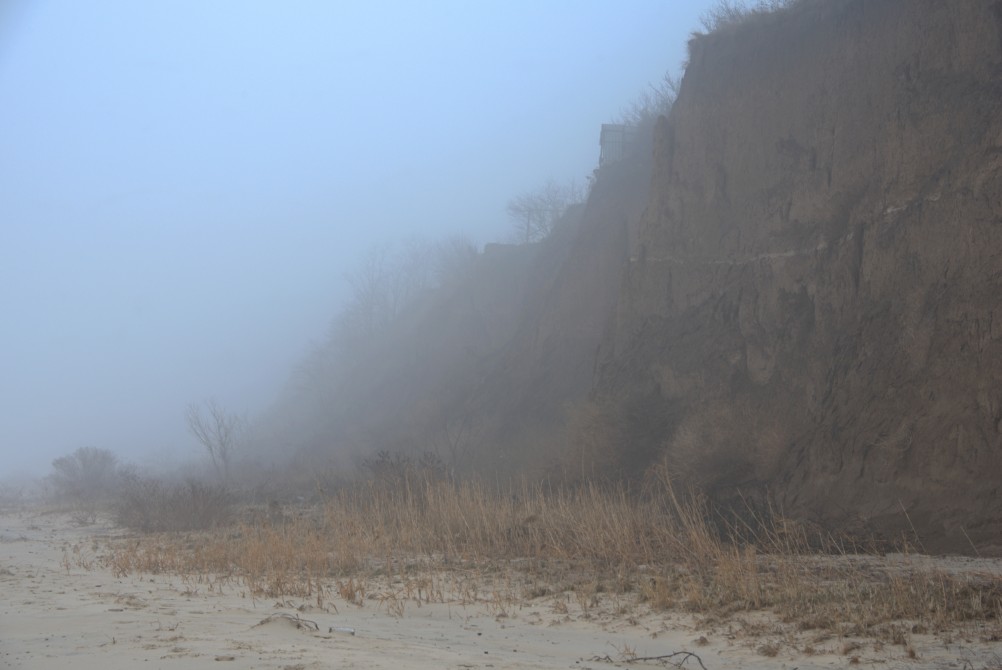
{"x":813,"y":296}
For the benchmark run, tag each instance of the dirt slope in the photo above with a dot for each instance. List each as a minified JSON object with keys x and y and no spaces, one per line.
{"x":812,"y":292}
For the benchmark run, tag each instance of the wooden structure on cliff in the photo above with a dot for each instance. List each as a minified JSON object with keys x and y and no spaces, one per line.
{"x":615,"y":142}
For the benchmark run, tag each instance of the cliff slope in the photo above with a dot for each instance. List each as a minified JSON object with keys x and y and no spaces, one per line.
{"x":810,"y":301}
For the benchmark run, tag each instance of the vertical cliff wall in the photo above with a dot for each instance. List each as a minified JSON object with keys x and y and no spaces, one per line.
{"x":813,"y":302}
{"x":548,"y":365}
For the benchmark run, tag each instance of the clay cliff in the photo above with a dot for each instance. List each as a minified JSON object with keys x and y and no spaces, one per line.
{"x":787,"y":297}
{"x":809,"y":304}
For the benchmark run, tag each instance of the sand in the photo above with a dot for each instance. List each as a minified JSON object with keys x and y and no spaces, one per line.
{"x":59,"y":608}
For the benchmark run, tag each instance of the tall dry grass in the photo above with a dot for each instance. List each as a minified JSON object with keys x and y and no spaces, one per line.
{"x":669,"y":548}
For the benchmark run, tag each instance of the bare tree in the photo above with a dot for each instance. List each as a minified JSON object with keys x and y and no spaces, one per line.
{"x":462,"y":436}
{"x":454,"y":258}
{"x":384,"y":286}
{"x":218,"y":431}
{"x":525,"y":211}
{"x":370,"y":306}
{"x":652,"y":103}
{"x":536,"y":212}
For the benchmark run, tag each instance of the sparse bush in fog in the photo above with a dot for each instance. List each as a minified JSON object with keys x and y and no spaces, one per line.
{"x":15,"y":494}
{"x":418,"y":313}
{"x":535,"y":213}
{"x":727,"y":13}
{"x":462,"y":435}
{"x":382,"y":287}
{"x":400,"y":471}
{"x":657,"y":100}
{"x":389,"y":291}
{"x":454,"y":258}
{"x":151,"y":505}
{"x":85,"y":480}
{"x":388,"y":282}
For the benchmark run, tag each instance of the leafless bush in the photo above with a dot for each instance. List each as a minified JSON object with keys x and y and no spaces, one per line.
{"x":85,"y":480}
{"x":727,"y":13}
{"x":610,"y":438}
{"x":13,"y":495}
{"x":151,"y":505}
{"x":398,"y":471}
{"x":387,"y":282}
{"x":536,"y":213}
{"x":657,"y":100}
{"x":454,"y":258}
{"x":594,"y":430}
{"x":725,"y":447}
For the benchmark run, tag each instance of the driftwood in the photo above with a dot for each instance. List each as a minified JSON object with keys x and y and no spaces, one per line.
{"x":666,"y":659}
{"x":300,"y":623}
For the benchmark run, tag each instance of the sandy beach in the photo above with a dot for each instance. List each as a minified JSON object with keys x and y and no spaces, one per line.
{"x":59,"y":608}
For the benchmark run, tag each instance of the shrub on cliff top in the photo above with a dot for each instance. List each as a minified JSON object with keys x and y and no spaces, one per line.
{"x":727,"y":13}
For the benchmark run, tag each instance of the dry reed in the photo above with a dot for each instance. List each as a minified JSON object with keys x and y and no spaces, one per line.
{"x":671,"y":550}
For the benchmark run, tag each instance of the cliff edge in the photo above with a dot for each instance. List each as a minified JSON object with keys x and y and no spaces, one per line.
{"x":810,"y":302}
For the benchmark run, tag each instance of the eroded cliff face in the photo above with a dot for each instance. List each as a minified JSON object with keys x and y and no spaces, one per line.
{"x":813,"y":301}
{"x":547,"y":366}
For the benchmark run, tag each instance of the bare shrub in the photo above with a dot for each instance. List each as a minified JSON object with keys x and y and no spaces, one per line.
{"x":150,"y":505}
{"x":594,"y":431}
{"x":388,"y":282}
{"x":85,"y":480}
{"x":536,"y":213}
{"x":399,"y":475}
{"x":722,"y":448}
{"x":727,"y":13}
{"x":655,"y":101}
{"x":13,"y":494}
{"x":454,"y":258}
{"x":618,"y":437}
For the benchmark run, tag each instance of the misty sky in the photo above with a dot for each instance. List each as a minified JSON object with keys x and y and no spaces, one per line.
{"x":184,"y":184}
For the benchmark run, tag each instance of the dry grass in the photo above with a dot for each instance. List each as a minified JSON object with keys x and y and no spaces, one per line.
{"x":426,"y":540}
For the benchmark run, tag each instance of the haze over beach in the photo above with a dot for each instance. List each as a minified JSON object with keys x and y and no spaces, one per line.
{"x":183,"y":186}
{"x":525,"y":336}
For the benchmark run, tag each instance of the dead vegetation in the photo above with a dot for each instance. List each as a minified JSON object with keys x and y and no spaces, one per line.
{"x":152,"y":505}
{"x":427,"y":539}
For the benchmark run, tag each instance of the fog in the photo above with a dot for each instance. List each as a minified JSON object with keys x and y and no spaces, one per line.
{"x":185,"y":185}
